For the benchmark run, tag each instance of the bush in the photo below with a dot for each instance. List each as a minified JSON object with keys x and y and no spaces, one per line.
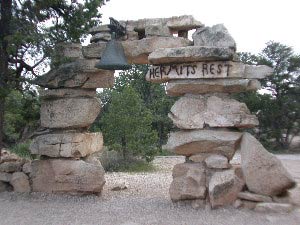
{"x":22,"y":150}
{"x":112,"y":161}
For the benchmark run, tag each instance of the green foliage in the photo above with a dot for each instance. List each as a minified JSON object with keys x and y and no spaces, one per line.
{"x":127,"y":125}
{"x":22,"y":150}
{"x":21,"y":115}
{"x":278,"y":111}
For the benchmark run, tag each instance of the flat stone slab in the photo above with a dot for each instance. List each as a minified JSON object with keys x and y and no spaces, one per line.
{"x":69,"y":112}
{"x":198,"y":111}
{"x":206,"y":70}
{"x":273,"y":207}
{"x":254,"y":197}
{"x":81,"y":73}
{"x":137,"y":51}
{"x":66,"y":93}
{"x":75,"y":145}
{"x":204,"y":141}
{"x":67,"y":176}
{"x":204,"y":86}
{"x":190,"y":54}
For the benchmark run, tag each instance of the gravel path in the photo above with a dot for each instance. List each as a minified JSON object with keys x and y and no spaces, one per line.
{"x":146,"y":201}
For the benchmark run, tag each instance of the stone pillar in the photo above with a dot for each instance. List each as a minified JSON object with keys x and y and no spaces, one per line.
{"x":211,"y":121}
{"x":68,"y":107}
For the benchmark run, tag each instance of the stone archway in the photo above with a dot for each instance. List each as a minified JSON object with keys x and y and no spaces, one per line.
{"x":204,"y":72}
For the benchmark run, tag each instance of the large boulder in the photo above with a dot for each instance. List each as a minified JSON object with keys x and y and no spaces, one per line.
{"x":20,"y":182}
{"x":198,"y":111}
{"x":137,"y":51}
{"x":69,"y":112}
{"x":189,"y":180}
{"x":190,"y":54}
{"x":67,"y":144}
{"x":79,"y":74}
{"x":217,"y":36}
{"x":204,"y":86}
{"x":67,"y":176}
{"x":224,"y":187}
{"x":191,"y":142}
{"x":264,"y":173}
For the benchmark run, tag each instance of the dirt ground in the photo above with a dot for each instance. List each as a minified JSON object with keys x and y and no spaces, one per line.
{"x":146,"y":201}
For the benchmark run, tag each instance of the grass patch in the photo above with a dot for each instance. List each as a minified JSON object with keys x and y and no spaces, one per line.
{"x":22,"y":150}
{"x":130,"y":166}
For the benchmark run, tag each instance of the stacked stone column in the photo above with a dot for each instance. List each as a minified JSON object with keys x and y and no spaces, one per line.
{"x":68,"y":108}
{"x":211,"y":123}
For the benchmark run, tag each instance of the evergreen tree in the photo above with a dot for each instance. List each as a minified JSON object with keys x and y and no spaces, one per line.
{"x":29,"y":30}
{"x":127,"y":127}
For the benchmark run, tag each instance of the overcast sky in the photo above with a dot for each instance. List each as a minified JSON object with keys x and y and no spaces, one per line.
{"x":250,"y":22}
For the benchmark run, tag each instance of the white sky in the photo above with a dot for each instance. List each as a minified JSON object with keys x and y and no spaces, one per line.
{"x":251,"y":23}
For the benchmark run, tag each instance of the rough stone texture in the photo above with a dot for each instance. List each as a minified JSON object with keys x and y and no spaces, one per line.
{"x":248,"y":204}
{"x":189,"y":181}
{"x":217,"y":162}
{"x":264,"y":173}
{"x":215,"y":36}
{"x":254,"y":197}
{"x":6,"y":177}
{"x":69,"y":112}
{"x":197,"y":111}
{"x":10,"y":167}
{"x":103,"y":36}
{"x":181,"y":87}
{"x":69,"y":50}
{"x":20,"y":182}
{"x":189,"y":54}
{"x":27,"y":168}
{"x":206,"y":70}
{"x":67,"y":176}
{"x":81,"y":73}
{"x":4,"y":186}
{"x":99,"y":29}
{"x":67,"y":144}
{"x":66,"y":93}
{"x":204,"y":141}
{"x":137,"y":51}
{"x":273,"y":207}
{"x":157,"y":30}
{"x":199,"y":157}
{"x":7,"y":156}
{"x":224,"y":187}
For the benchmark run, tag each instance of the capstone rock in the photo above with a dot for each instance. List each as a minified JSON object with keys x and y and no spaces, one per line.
{"x":189,"y":182}
{"x":264,"y":173}
{"x":190,"y":54}
{"x":215,"y":36}
{"x":137,"y":51}
{"x":69,"y":112}
{"x":157,"y":30}
{"x":204,"y":86}
{"x":73,"y":145}
{"x":190,"y":142}
{"x":103,"y":36}
{"x":196,"y":112}
{"x":20,"y":182}
{"x":67,"y":176}
{"x":224,"y":188}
